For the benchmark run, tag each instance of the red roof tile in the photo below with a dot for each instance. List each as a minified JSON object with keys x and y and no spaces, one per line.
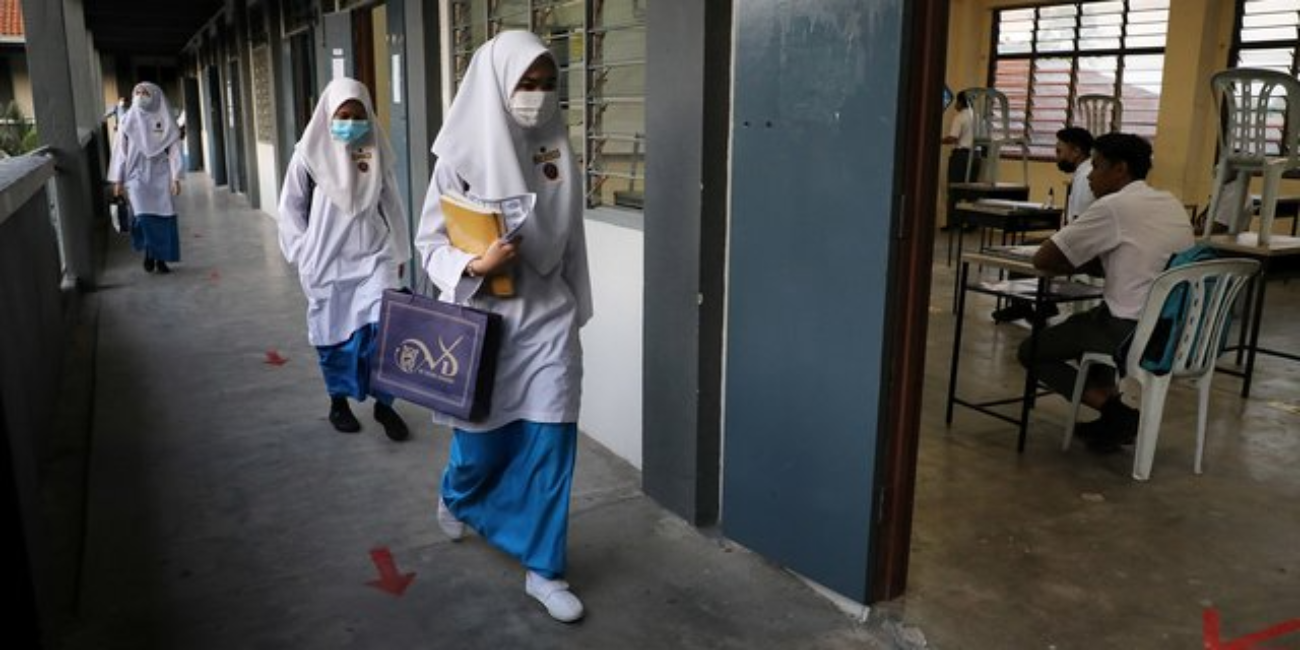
{"x":11,"y":18}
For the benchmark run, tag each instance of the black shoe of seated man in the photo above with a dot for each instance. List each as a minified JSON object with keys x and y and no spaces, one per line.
{"x":162,"y":267}
{"x":1049,"y":310}
{"x":341,"y":416}
{"x":394,"y":426}
{"x":1017,"y":310}
{"x":1117,"y":427}
{"x":148,"y":264}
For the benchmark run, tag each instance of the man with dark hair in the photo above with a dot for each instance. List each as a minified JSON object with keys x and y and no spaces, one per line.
{"x":1073,"y":156}
{"x":1127,"y":236}
{"x":964,"y":157}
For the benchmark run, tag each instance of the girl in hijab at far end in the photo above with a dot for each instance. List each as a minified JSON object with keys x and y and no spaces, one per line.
{"x":505,"y":144}
{"x":147,"y":167}
{"x":344,"y":228}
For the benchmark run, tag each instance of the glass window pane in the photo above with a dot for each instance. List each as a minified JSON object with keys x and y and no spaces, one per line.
{"x":1054,"y":68}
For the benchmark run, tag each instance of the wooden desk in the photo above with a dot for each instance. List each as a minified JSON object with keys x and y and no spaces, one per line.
{"x":1043,"y":289}
{"x":1280,"y":259}
{"x":1011,"y":220}
{"x":960,"y":192}
{"x":1288,"y":207}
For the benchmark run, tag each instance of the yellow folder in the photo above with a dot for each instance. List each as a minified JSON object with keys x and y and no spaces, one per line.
{"x":472,"y":228}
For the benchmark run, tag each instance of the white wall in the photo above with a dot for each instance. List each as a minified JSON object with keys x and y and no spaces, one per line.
{"x":611,"y":386}
{"x":268,"y":182}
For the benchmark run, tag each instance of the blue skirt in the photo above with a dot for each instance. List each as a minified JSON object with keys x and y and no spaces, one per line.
{"x":157,"y":237}
{"x":346,"y":365}
{"x":512,"y":486}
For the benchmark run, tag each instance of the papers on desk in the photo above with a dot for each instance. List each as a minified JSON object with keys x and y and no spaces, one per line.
{"x":1275,"y":242}
{"x":1013,"y":205}
{"x":1021,"y":252}
{"x":1028,"y":288}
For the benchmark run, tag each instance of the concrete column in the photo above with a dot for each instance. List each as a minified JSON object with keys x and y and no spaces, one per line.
{"x":424,"y":92}
{"x":688,"y":50}
{"x":247,"y":127}
{"x":52,"y":59}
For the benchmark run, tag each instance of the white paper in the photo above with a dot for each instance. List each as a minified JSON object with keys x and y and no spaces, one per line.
{"x":515,"y":210}
{"x":339,"y":68}
{"x":397,"y":78}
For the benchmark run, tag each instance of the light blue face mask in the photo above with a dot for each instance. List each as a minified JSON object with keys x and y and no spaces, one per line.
{"x":349,"y":130}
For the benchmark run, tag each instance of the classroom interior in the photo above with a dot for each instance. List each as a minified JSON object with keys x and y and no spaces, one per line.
{"x":1064,"y":549}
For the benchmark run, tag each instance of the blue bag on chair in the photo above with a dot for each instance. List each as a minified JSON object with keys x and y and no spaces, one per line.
{"x":1158,"y":358}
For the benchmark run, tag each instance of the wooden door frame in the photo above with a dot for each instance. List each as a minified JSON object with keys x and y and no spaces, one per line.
{"x":921,"y":113}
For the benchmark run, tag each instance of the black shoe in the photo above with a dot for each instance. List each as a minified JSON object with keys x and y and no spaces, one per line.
{"x":1017,"y":310}
{"x":394,"y":426}
{"x":162,"y":267}
{"x":148,"y":264}
{"x":1041,"y":316}
{"x":341,"y":416}
{"x":1117,"y":427}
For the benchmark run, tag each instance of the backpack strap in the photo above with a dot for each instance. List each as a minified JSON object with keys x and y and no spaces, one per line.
{"x":311,"y":192}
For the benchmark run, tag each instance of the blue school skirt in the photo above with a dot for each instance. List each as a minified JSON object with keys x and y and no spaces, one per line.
{"x":157,"y":237}
{"x":511,"y":485}
{"x":346,"y":365}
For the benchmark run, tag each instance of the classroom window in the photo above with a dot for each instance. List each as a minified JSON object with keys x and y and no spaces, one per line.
{"x":600,"y":47}
{"x":1046,"y":56}
{"x":1268,"y":36}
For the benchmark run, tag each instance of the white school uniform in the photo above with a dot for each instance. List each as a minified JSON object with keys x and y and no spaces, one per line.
{"x":1133,"y":232}
{"x":146,"y":155}
{"x":348,"y":238}
{"x":539,"y":366}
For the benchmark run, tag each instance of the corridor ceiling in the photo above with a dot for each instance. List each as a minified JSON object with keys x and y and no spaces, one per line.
{"x":147,"y":27}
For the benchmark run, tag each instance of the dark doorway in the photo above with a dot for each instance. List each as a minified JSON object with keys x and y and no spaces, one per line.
{"x":216,"y":128}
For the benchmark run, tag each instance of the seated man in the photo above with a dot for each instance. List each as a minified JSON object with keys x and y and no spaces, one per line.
{"x":1074,"y":157}
{"x":1127,"y":236}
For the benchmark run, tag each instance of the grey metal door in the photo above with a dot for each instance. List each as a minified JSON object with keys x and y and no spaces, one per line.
{"x":338,"y":46}
{"x":193,"y":124}
{"x":216,"y":127}
{"x":813,"y":184}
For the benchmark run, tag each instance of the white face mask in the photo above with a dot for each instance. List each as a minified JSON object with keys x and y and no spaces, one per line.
{"x":532,"y":108}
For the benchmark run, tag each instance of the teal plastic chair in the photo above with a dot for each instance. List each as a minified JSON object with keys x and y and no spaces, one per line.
{"x":1210,"y":289}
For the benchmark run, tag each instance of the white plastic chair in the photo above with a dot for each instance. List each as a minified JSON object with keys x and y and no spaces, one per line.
{"x":991,"y":130}
{"x":1212,"y":287}
{"x":1099,"y":114}
{"x":1255,"y":103}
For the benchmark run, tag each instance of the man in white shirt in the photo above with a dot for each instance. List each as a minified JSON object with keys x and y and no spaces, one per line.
{"x":962,"y":134}
{"x":1127,"y":235}
{"x":1074,"y":157}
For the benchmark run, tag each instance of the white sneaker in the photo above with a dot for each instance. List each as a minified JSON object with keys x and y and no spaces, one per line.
{"x":560,"y":603}
{"x":452,"y":527}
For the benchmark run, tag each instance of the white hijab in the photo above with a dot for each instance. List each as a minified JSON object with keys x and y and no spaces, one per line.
{"x":494,"y":155}
{"x":350,"y":175}
{"x":149,"y":126}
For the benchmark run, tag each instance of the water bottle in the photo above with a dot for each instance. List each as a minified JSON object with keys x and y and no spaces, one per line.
{"x":1051,"y":197}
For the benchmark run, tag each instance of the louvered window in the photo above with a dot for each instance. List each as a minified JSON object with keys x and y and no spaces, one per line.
{"x":1267,"y":36}
{"x":1046,"y":56}
{"x":600,"y":46}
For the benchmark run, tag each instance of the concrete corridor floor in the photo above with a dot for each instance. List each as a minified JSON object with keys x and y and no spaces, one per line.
{"x":224,"y":512}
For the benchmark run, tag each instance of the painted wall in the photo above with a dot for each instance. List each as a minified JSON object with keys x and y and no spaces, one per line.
{"x":611,"y":386}
{"x":1199,"y":37}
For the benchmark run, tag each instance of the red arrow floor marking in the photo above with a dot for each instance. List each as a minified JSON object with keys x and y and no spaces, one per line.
{"x":389,"y":579}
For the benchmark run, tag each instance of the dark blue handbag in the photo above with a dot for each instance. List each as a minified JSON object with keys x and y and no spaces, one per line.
{"x":437,"y":355}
